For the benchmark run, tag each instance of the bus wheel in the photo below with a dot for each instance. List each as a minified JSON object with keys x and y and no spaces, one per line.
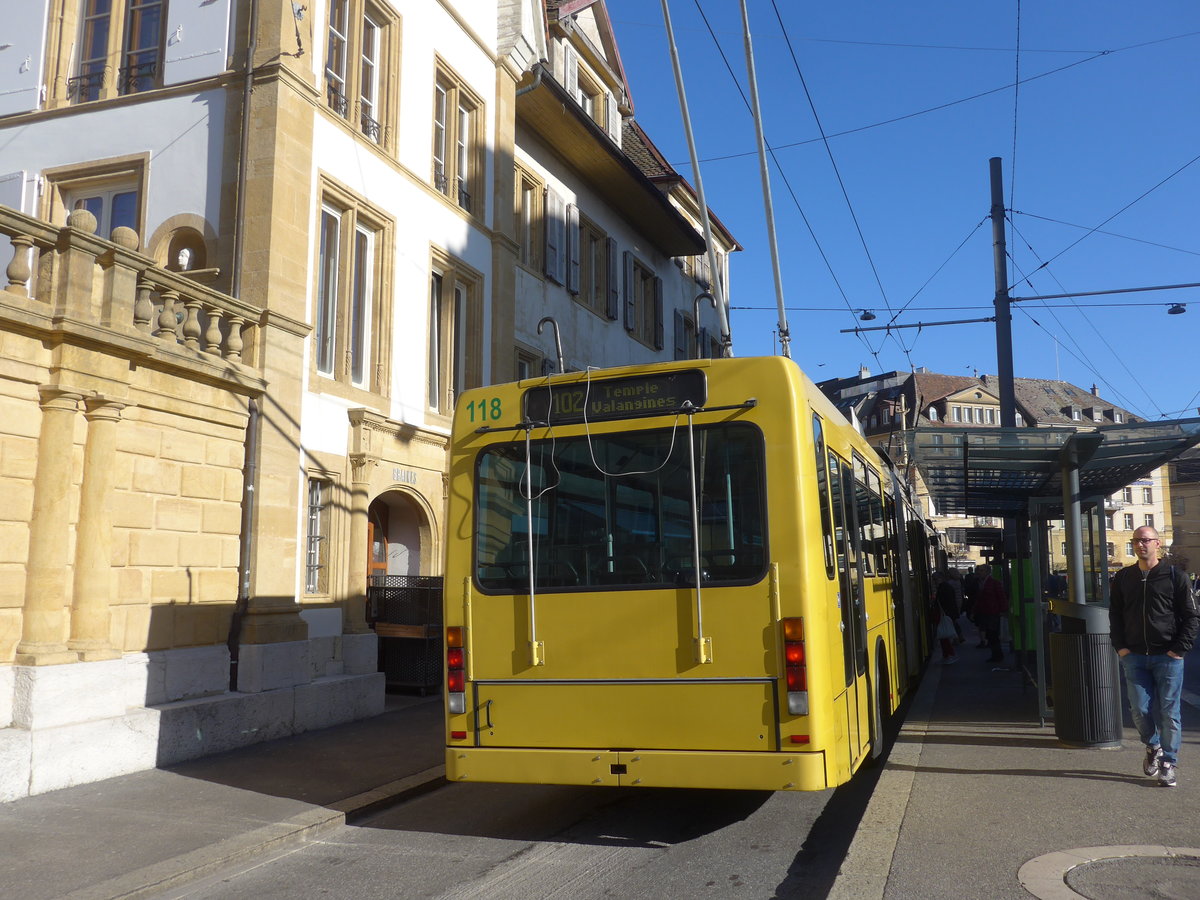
{"x":882,"y":712}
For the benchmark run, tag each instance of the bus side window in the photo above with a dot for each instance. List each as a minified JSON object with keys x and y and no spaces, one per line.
{"x":862,"y":505}
{"x":823,"y":496}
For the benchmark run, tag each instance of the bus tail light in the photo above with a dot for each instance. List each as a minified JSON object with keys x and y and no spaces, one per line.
{"x":456,"y":678}
{"x":795,"y":666}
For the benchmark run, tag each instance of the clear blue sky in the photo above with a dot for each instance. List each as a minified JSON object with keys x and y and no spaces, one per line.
{"x":1113,"y":120}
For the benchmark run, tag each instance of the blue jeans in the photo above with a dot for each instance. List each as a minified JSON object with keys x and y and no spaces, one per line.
{"x":1155,"y":684}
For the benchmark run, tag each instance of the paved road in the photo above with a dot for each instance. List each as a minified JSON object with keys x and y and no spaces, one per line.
{"x":500,"y":841}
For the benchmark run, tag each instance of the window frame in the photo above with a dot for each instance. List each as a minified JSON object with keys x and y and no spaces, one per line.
{"x":318,"y":541}
{"x":346,"y":84}
{"x":333,"y":316}
{"x":456,"y":162}
{"x":529,"y":219}
{"x":126,"y":173}
{"x":643,"y":302}
{"x":454,"y":328}
{"x":87,"y":80}
{"x":593,"y":267}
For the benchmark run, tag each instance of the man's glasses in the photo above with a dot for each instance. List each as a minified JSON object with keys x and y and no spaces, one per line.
{"x":1144,"y":540}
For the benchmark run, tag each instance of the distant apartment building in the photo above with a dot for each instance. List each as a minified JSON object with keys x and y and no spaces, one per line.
{"x":256,"y":249}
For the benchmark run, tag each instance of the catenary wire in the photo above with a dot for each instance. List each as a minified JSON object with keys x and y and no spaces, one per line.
{"x":961,"y":100}
{"x":1125,"y":237}
{"x":787,"y":184}
{"x":833,"y":162}
{"x":1092,"y":231}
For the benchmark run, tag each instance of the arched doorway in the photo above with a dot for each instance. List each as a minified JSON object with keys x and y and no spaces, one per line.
{"x":404,"y":601}
{"x":396,"y":529}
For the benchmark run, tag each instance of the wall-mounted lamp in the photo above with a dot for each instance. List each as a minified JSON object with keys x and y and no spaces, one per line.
{"x":1176,"y":309}
{"x":867,"y":315}
{"x":298,"y":12}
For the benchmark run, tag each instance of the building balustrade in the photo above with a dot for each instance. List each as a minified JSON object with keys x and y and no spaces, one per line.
{"x":55,"y":270}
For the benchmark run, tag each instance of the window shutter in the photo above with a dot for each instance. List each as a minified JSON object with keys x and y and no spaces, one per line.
{"x":681,"y":348}
{"x":553,"y":235}
{"x":571,"y":71}
{"x":658,"y":313}
{"x":197,"y":40}
{"x":612,"y":305}
{"x":22,"y":63}
{"x":612,"y":118}
{"x":572,"y":248}
{"x":547,"y":366}
{"x":630,"y":300}
{"x":703,"y":349}
{"x":12,"y":190}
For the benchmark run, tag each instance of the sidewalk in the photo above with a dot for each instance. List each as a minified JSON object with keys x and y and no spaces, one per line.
{"x":975,"y":799}
{"x":139,"y":834}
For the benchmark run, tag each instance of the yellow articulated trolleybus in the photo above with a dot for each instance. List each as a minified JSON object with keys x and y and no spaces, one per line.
{"x":690,"y":574}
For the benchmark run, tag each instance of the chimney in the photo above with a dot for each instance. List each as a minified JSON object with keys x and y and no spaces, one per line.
{"x":983,"y":379}
{"x":864,"y":372}
{"x":1095,"y":390}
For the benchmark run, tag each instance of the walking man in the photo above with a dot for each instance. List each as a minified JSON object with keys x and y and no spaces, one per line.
{"x":1153,"y":622}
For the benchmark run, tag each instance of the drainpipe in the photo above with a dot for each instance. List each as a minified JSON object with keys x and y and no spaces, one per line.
{"x":245,"y":544}
{"x":245,"y":539}
{"x":240,"y":211}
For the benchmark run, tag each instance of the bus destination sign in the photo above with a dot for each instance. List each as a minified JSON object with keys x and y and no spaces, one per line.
{"x":615,"y":398}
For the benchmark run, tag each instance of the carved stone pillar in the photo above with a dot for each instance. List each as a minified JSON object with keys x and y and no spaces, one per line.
{"x":43,"y":623}
{"x":361,"y":466}
{"x":90,"y":614}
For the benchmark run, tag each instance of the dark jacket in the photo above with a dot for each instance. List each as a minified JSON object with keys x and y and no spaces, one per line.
{"x":991,"y":601}
{"x":1154,"y":614}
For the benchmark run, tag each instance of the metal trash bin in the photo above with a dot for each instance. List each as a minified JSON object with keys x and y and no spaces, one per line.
{"x":1086,"y":677}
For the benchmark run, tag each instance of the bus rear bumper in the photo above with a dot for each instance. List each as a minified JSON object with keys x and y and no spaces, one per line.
{"x":640,"y":768}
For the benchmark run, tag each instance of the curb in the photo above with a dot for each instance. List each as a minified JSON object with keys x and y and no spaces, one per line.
{"x":863,"y":874}
{"x":178,"y":870}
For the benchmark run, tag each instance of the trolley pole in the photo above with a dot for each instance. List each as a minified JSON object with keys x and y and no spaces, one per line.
{"x":1004,"y":357}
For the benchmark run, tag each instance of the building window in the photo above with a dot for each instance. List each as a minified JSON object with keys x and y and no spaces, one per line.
{"x":1149,"y":523}
{"x":455,"y":347}
{"x":125,"y":37}
{"x":989,"y":416}
{"x":1129,"y":548}
{"x":528,"y":213}
{"x":591,"y":97}
{"x":112,"y":191}
{"x":956,"y":413}
{"x":1019,"y":421}
{"x":457,"y":142}
{"x":357,"y":61}
{"x":1127,"y":494}
{"x":316,"y":542}
{"x":1064,"y":548}
{"x":1118,"y":417}
{"x":593,"y":267}
{"x":1075,"y":414}
{"x":1110,"y":549}
{"x":1128,"y":521}
{"x":643,"y":303}
{"x":1108,"y":521}
{"x":350,"y":337}
{"x":933,"y":414}
{"x":1147,"y":495}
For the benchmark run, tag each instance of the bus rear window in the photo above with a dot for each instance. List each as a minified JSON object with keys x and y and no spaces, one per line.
{"x":614,"y":511}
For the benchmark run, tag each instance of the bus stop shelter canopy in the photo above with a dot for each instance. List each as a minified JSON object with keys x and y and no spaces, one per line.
{"x":997,"y":471}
